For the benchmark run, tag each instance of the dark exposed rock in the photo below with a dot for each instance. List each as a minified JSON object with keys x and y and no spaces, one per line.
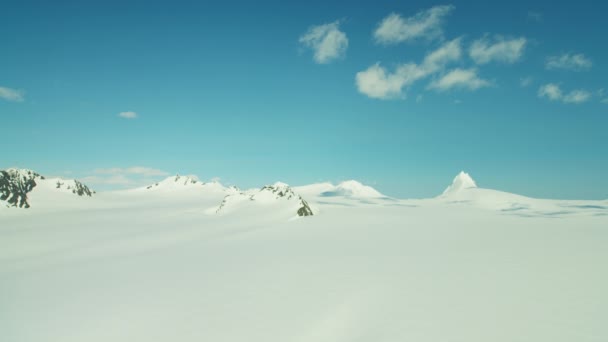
{"x":15,"y":185}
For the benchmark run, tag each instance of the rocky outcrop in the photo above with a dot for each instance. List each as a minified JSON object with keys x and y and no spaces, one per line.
{"x":15,"y":185}
{"x":278,"y":193}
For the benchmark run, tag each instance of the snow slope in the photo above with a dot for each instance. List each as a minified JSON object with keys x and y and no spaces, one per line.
{"x":155,"y":265}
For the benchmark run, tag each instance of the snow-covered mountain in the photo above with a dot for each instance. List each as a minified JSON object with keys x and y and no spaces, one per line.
{"x":22,"y":188}
{"x":462,"y":181}
{"x":189,"y":182}
{"x":350,"y":188}
{"x":464,"y":192}
{"x":279,"y":197}
{"x":159,"y":264}
{"x":18,"y":185}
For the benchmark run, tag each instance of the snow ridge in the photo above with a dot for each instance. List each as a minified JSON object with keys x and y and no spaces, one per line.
{"x":269,"y":194}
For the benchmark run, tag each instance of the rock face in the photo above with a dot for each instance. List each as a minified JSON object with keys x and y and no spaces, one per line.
{"x":76,"y":187}
{"x":15,"y":185}
{"x":278,"y":193}
{"x":282,"y":190}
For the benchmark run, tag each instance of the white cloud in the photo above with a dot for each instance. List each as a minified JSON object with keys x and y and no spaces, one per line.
{"x":123,"y":177}
{"x":120,"y":180}
{"x":377,"y":82}
{"x":448,"y":52}
{"x":128,"y":115}
{"x":327,"y":42}
{"x":551,"y":91}
{"x":554,"y":92}
{"x":577,"y":96}
{"x":499,"y":49}
{"x":135,"y":170}
{"x":459,"y":78}
{"x":10,"y":94}
{"x":425,"y":24}
{"x":567,"y":61}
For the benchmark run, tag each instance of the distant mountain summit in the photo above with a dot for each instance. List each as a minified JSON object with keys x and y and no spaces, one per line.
{"x":180,"y":182}
{"x":279,"y":194}
{"x":350,"y":188}
{"x":462,"y":181}
{"x":17,"y":184}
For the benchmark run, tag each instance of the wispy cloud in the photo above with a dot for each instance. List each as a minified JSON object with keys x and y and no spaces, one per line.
{"x":377,"y":82}
{"x":128,"y":115}
{"x":568,"y":61}
{"x":460,"y":78}
{"x":426,"y":24}
{"x":525,"y":81}
{"x":120,"y":180}
{"x":134,"y":170}
{"x":327,"y":42}
{"x":499,"y":49}
{"x":577,"y":96}
{"x":553,"y":92}
{"x":124,"y":177}
{"x":10,"y":94}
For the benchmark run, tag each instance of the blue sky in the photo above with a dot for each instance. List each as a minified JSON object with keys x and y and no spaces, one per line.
{"x":121,"y":94}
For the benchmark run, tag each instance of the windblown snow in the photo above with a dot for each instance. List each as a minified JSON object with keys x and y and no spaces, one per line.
{"x":188,"y":260}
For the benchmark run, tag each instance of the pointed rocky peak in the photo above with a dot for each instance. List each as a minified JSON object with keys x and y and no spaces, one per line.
{"x":280,"y":190}
{"x":461,"y":182}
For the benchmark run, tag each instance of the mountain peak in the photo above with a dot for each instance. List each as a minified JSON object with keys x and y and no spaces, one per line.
{"x":17,"y":184}
{"x":462,"y":181}
{"x":353,"y":188}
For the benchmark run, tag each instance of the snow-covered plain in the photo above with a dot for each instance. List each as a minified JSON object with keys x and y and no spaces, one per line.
{"x":165,"y":264}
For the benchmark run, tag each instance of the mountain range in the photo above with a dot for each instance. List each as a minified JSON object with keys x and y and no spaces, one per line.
{"x":23,"y":188}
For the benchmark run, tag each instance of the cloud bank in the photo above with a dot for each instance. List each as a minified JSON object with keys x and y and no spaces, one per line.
{"x":553,"y":92}
{"x":380,"y":83}
{"x":567,"y":61}
{"x":499,"y":49}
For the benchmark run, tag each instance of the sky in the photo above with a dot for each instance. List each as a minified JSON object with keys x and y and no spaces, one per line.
{"x":400,"y":95}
